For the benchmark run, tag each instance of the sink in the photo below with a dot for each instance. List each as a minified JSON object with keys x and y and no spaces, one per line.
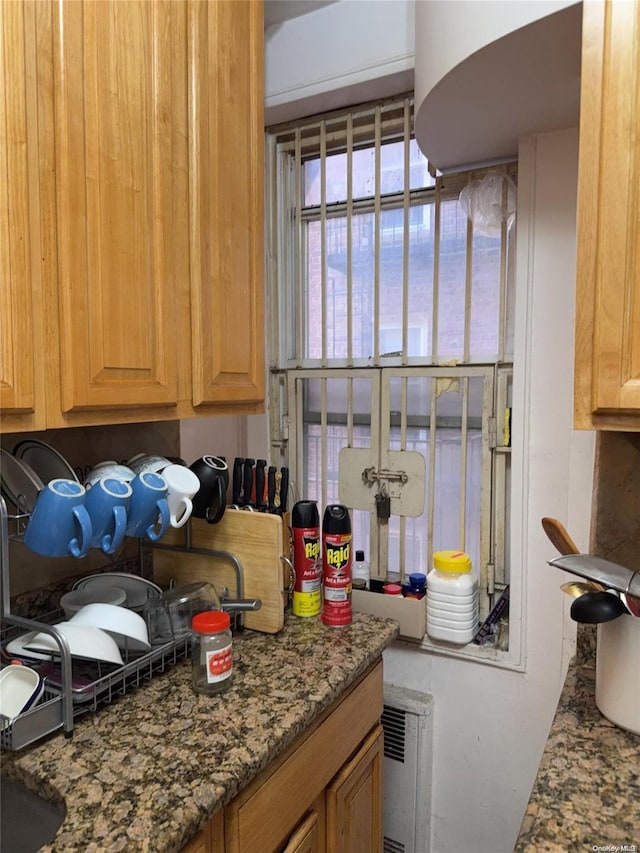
{"x":28,"y":820}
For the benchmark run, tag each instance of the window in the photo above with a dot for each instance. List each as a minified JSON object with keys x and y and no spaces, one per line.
{"x":391,"y":331}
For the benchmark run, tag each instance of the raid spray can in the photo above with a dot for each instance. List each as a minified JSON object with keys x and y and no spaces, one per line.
{"x":336,"y":566}
{"x":307,"y":561}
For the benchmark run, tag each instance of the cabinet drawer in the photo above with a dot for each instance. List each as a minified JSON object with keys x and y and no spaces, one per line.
{"x":263,"y":815}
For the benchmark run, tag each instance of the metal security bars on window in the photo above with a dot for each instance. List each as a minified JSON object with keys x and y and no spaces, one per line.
{"x":393,"y":328}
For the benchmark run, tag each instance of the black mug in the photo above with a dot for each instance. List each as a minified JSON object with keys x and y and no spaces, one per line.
{"x":210,"y":500}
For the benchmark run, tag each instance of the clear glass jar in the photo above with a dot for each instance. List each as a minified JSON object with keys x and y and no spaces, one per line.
{"x":211,"y":652}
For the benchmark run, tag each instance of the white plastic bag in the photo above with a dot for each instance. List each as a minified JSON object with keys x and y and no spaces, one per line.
{"x":489,"y":202}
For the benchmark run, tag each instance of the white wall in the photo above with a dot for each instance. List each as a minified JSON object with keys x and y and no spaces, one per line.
{"x":225,"y":436}
{"x":490,"y":725}
{"x":345,"y":53}
{"x":510,"y":68}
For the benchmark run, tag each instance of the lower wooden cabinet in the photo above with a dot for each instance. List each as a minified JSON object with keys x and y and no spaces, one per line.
{"x":309,"y":836}
{"x":324,"y":795}
{"x":354,"y":800}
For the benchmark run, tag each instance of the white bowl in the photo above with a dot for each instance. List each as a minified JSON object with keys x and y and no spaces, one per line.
{"x":74,"y":600}
{"x":127,"y":628}
{"x":20,"y":688}
{"x":85,"y":641}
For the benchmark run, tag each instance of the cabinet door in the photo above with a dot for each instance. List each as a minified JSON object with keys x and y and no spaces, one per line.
{"x":608,"y":296}
{"x":113,"y":161}
{"x":354,"y":801}
{"x":308,"y":837}
{"x":226,"y":176}
{"x":21,"y":314}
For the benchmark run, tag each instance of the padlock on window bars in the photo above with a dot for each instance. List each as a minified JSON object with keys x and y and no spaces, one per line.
{"x":383,"y":506}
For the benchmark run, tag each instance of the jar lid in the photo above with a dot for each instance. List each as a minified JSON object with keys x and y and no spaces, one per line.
{"x":456,"y":562}
{"x":392,"y":589}
{"x":417,"y":579}
{"x":210,"y":621}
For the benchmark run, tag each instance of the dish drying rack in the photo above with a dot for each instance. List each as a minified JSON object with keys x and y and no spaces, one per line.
{"x":66,"y":697}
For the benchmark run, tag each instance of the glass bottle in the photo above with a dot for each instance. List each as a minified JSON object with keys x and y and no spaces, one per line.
{"x":211,"y":652}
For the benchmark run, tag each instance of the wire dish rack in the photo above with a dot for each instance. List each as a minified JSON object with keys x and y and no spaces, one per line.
{"x":71,"y":689}
{"x":90,"y":685}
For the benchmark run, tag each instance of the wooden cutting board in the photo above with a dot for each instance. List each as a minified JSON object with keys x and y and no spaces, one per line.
{"x":256,"y":539}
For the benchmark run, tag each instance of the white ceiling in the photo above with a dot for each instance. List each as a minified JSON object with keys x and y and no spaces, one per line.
{"x":279,"y":11}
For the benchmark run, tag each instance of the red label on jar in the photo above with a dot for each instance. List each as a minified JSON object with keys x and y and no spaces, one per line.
{"x":336,"y":579}
{"x":219,"y":664}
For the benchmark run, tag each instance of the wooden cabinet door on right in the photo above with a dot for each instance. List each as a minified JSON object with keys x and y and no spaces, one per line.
{"x":607,"y":370}
{"x":226,"y":202}
{"x":354,"y":801}
{"x":114,"y":69}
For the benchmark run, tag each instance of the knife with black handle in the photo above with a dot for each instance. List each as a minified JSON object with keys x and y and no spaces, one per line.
{"x":284,"y":488}
{"x":236,"y":488}
{"x":271,"y":488}
{"x":261,"y":464}
{"x":247,"y":482}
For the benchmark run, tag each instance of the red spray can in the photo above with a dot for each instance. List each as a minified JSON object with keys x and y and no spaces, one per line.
{"x":336,"y":566}
{"x":307,"y":561}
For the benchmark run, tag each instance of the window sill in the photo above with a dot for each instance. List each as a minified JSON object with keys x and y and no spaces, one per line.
{"x":412,"y":616}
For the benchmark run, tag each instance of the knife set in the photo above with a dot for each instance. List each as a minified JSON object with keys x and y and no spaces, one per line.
{"x":258,"y":486}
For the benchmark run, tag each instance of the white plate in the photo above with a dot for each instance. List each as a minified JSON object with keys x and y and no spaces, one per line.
{"x":45,"y":460}
{"x":16,"y":648}
{"x":138,"y":589}
{"x":19,"y":480}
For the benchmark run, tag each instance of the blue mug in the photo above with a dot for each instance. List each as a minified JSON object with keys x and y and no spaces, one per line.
{"x":149,"y":510}
{"x":107,"y":503}
{"x":60,"y":524}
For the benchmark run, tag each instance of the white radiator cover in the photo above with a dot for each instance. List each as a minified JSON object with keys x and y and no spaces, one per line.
{"x":407,"y":723}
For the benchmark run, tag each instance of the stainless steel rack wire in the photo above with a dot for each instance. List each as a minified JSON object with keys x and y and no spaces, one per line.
{"x":70,"y":692}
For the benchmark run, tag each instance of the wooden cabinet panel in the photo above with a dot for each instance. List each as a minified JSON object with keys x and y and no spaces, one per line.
{"x":607,"y":376}
{"x":226,"y":201}
{"x":21,"y":312}
{"x":253,"y":821}
{"x":113,"y":134}
{"x":354,"y":801}
{"x":309,"y":836}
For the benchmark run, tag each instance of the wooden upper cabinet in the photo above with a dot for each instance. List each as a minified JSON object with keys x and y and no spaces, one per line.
{"x":131,"y":220}
{"x":226,"y":201}
{"x":607,"y":373}
{"x":113,"y":161}
{"x":21,"y":312}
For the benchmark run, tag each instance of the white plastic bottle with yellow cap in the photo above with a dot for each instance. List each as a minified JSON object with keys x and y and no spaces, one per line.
{"x":452,"y":598}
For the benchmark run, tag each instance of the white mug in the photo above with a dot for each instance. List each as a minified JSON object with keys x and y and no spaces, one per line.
{"x":108,"y":471}
{"x":182,"y":485}
{"x":148,"y":462}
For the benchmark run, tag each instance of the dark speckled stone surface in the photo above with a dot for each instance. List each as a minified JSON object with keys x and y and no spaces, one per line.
{"x":144,"y":773}
{"x":586,"y":796}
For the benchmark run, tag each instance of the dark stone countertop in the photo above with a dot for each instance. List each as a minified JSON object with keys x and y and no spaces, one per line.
{"x":586,"y":796}
{"x":146,"y":772}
